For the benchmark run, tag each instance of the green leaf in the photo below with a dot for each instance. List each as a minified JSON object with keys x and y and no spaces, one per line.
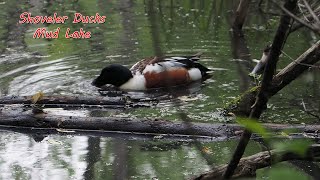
{"x":253,"y":126}
{"x":298,"y":146}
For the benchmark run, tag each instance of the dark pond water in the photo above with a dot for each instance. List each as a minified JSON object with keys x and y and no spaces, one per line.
{"x":133,"y":30}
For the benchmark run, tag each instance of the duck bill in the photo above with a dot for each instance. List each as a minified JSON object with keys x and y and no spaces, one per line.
{"x":95,"y":83}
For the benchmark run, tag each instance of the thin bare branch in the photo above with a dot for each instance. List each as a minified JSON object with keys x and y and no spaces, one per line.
{"x":296,"y":62}
{"x":315,"y":17}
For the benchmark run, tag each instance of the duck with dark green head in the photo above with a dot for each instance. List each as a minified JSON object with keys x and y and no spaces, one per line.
{"x":154,"y":72}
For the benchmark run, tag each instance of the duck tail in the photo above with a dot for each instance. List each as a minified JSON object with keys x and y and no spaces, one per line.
{"x":198,"y":54}
{"x":196,"y":57}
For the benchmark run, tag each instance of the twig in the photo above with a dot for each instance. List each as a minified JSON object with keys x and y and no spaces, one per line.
{"x":308,"y":111}
{"x":303,"y":13}
{"x":296,"y":62}
{"x":303,"y":105}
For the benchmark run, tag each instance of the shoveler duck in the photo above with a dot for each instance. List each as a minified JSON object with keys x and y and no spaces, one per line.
{"x":258,"y":69}
{"x":154,"y":72}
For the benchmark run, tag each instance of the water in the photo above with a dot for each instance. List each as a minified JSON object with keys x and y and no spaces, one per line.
{"x":133,"y":30}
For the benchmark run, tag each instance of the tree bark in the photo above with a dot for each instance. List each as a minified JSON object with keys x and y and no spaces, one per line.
{"x":261,"y":99}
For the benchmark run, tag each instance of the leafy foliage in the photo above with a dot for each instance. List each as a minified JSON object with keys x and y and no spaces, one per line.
{"x":281,"y":172}
{"x":253,"y":126}
{"x":298,"y":146}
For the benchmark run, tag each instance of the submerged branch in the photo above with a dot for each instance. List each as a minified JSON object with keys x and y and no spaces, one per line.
{"x":63,"y":100}
{"x":241,"y":14}
{"x":77,"y":101}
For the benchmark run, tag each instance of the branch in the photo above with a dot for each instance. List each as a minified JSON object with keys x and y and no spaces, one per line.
{"x":294,"y":69}
{"x":248,"y":165}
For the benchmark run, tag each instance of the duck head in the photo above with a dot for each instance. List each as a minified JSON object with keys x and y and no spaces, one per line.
{"x":114,"y":74}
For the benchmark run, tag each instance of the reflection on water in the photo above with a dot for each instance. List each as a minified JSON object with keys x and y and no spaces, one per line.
{"x":78,"y":157}
{"x":133,"y":30}
{"x":52,"y":158}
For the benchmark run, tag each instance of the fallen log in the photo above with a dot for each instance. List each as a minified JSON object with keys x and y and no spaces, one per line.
{"x":248,"y":165}
{"x":38,"y":134}
{"x":145,"y":126}
{"x":139,"y":126}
